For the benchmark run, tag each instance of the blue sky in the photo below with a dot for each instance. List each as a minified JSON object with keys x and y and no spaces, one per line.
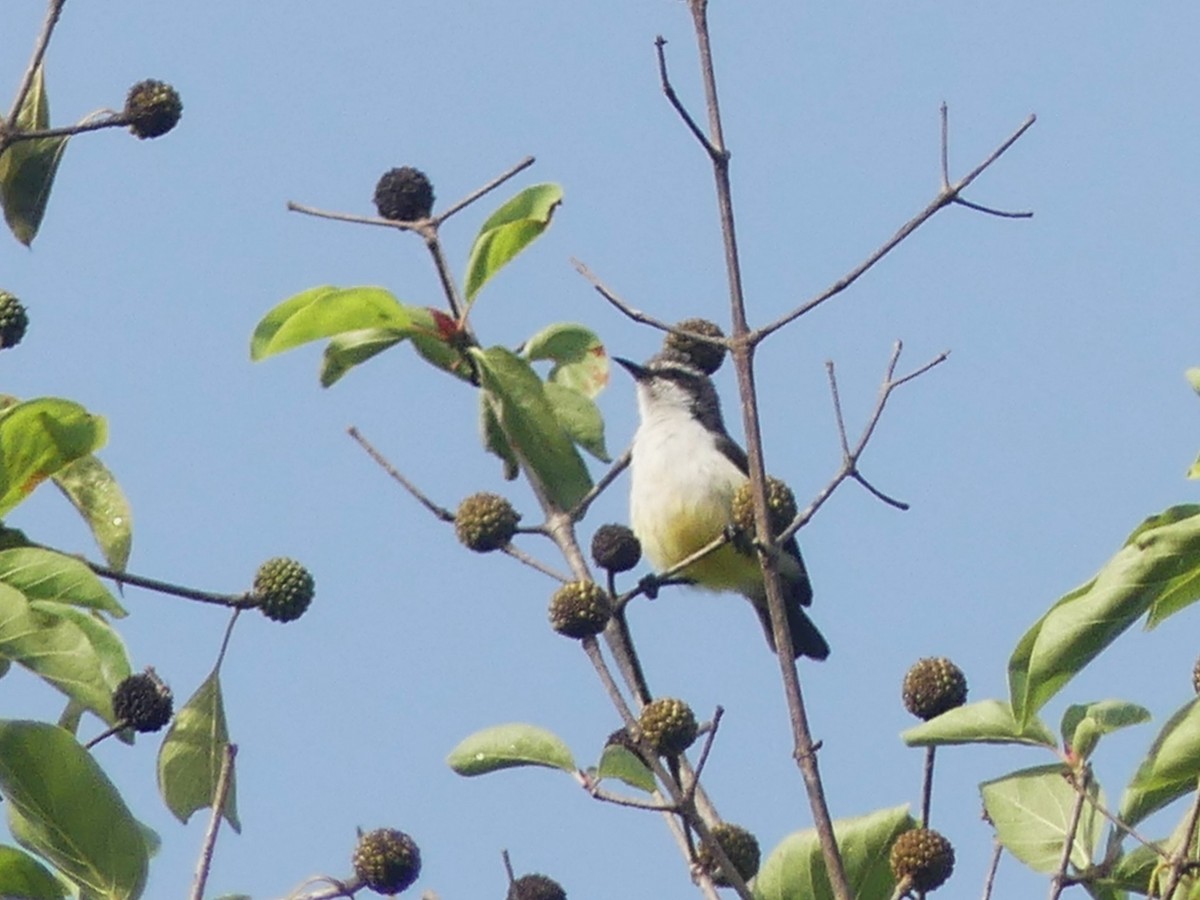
{"x":1061,"y":420}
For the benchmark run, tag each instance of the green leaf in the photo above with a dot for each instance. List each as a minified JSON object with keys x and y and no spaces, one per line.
{"x":323,"y":312}
{"x":27,"y":168}
{"x":1170,"y":768}
{"x":1175,"y":545}
{"x":580,"y":419}
{"x":1031,"y":812}
{"x":42,"y":574}
{"x":72,"y":650}
{"x":191,"y":755}
{"x":345,"y":351}
{"x":621,"y":763}
{"x":527,"y":418}
{"x":1133,"y":871}
{"x":795,"y":869}
{"x":494,"y":440}
{"x":40,"y":437}
{"x":63,"y":807}
{"x":1083,"y":724}
{"x":580,"y":361}
{"x":1194,"y":470}
{"x":508,"y":231}
{"x":506,"y":746}
{"x":94,"y":492}
{"x":24,"y":878}
{"x":984,"y":722}
{"x":1157,"y":568}
{"x":1193,"y":377}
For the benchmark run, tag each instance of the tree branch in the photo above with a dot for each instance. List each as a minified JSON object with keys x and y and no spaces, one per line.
{"x":949,"y":193}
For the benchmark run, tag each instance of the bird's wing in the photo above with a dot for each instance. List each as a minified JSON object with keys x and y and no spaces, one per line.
{"x":735,"y":454}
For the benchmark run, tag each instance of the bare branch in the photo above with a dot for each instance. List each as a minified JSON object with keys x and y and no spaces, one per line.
{"x":479,"y":192}
{"x":708,"y":743}
{"x":233,"y":601}
{"x":635,"y":314}
{"x":1179,"y":859}
{"x":619,"y":466}
{"x":521,"y":556}
{"x":110,"y":120}
{"x":53,"y":10}
{"x":946,"y":195}
{"x":440,"y":511}
{"x":990,"y":880}
{"x":927,"y":785}
{"x":355,"y":218}
{"x":851,"y":455}
{"x":1079,"y":780}
{"x":659,"y":43}
{"x":221,"y":794}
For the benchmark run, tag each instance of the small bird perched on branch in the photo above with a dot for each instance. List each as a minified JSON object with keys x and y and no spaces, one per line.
{"x":685,"y":472}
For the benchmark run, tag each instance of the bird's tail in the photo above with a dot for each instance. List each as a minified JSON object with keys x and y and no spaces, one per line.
{"x":806,"y":639}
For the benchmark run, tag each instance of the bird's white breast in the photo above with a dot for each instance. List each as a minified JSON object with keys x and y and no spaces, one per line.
{"x":682,"y":485}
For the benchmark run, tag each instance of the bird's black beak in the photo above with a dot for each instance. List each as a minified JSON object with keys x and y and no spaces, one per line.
{"x":639,"y":373}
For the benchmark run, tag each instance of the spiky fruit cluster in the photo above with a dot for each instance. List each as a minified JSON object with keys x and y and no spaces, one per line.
{"x":781,"y":504}
{"x":387,"y":860}
{"x":142,"y":702}
{"x":922,"y":858}
{"x":485,"y":522}
{"x":579,"y":609}
{"x":152,"y":108}
{"x":404,"y":195}
{"x":668,"y":726}
{"x":932,"y":686}
{"x":284,"y":589}
{"x":13,"y":320}
{"x":616,"y":548}
{"x":1196,"y":676}
{"x":739,"y":845}
{"x":704,"y":356}
{"x":536,"y":887}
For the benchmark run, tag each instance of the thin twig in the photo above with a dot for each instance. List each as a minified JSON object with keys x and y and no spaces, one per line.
{"x":988,"y":210}
{"x":945,"y":196}
{"x":708,"y":743}
{"x":990,"y":879}
{"x":592,"y":648}
{"x":1122,"y":827}
{"x":877,"y":493}
{"x":356,"y":219}
{"x":445,"y":276}
{"x":608,"y":294}
{"x":114,"y":121}
{"x":592,"y":786}
{"x":440,"y":511}
{"x":651,"y":583}
{"x":233,"y":601}
{"x":620,"y":465}
{"x":479,"y":192}
{"x":53,"y":10}
{"x":521,"y":556}
{"x":1179,"y":859}
{"x":337,"y":888}
{"x":851,"y":455}
{"x":1079,"y":781}
{"x":927,"y":785}
{"x":673,"y":98}
{"x":221,"y":794}
{"x":508,"y":867}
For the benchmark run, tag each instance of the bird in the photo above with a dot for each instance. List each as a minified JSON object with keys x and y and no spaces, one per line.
{"x":685,"y":470}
